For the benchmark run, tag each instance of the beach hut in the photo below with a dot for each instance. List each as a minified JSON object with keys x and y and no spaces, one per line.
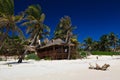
{"x":56,"y":49}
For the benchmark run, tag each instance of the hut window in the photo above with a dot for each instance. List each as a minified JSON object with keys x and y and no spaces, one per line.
{"x":66,"y":49}
{"x":58,"y":49}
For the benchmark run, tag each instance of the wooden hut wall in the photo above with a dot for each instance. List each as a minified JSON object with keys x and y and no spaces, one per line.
{"x":55,"y":52}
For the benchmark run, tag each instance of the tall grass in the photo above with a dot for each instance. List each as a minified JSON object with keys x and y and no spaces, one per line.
{"x":104,"y":53}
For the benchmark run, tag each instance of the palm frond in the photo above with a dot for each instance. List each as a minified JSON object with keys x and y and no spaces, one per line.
{"x":34,"y":10}
{"x":3,"y":22}
{"x":21,"y":35}
{"x":46,"y":28}
{"x":29,"y":17}
{"x":7,"y":7}
{"x":42,"y":18}
{"x":19,"y":18}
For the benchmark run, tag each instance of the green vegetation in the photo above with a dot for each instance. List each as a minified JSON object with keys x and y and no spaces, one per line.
{"x":12,"y":46}
{"x":107,"y":42}
{"x":83,"y":54}
{"x":32,"y":56}
{"x":47,"y":58}
{"x":0,"y":59}
{"x":105,"y":53}
{"x":8,"y":21}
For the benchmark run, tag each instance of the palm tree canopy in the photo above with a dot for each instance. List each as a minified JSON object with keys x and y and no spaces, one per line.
{"x":104,"y":42}
{"x":34,"y":20}
{"x":6,"y":7}
{"x":113,"y":38}
{"x":64,"y":28}
{"x":88,"y":43}
{"x":7,"y":18}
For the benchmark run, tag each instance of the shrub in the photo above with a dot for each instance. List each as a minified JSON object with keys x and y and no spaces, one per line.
{"x":74,"y":56}
{"x":47,"y":58}
{"x":32,"y":56}
{"x":0,"y":59}
{"x":83,"y":54}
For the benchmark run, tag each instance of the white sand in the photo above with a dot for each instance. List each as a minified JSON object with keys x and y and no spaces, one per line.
{"x":61,"y":69}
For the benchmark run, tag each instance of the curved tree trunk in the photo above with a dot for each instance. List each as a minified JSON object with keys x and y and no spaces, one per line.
{"x":69,"y":35}
{"x":69,"y":50}
{"x":22,"y":57}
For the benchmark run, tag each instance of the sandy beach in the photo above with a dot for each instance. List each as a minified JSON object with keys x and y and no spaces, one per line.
{"x":61,"y":69}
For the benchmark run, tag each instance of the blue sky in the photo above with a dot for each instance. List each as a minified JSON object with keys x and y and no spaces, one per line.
{"x":92,"y":18}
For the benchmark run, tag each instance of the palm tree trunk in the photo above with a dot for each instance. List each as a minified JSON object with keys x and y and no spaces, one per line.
{"x":69,"y":52}
{"x":22,"y":57}
{"x":68,"y":42}
{"x":69,"y":49}
{"x":114,"y":47}
{"x":67,"y":36}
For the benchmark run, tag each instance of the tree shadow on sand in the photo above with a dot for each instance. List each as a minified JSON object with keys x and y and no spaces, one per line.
{"x":13,"y":63}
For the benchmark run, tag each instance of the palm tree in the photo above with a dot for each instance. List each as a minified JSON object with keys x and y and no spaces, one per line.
{"x":113,"y":40}
{"x":34,"y":20}
{"x":75,"y":41}
{"x":64,"y":31}
{"x":104,"y":43}
{"x":13,"y":46}
{"x":95,"y":45}
{"x":8,"y":19}
{"x":118,"y":42}
{"x":88,"y":43}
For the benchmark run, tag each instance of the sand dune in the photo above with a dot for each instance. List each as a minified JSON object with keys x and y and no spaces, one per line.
{"x":61,"y":69}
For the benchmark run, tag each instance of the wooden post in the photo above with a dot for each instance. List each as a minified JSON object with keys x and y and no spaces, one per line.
{"x":54,"y":53}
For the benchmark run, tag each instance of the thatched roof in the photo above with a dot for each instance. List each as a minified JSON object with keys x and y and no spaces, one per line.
{"x":50,"y":43}
{"x":55,"y":42}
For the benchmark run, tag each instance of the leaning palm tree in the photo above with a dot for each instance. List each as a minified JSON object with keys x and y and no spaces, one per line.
{"x":8,"y":19}
{"x":64,"y":31}
{"x":34,"y":21}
